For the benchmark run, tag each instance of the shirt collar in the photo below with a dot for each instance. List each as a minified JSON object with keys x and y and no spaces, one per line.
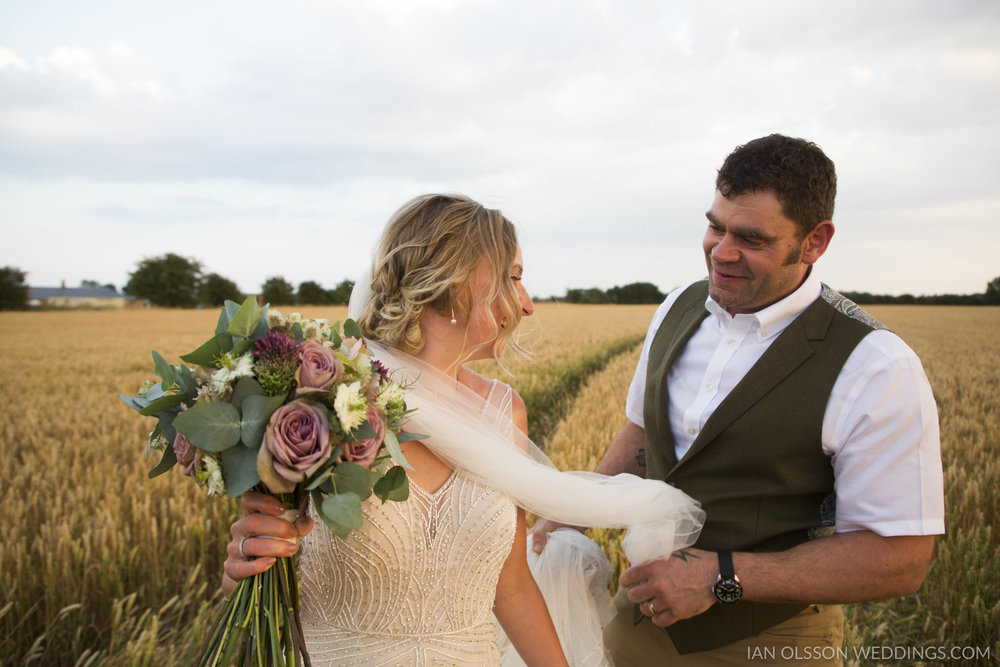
{"x":771,"y":321}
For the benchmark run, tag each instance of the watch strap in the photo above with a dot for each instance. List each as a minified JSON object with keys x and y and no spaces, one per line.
{"x":726,"y":570}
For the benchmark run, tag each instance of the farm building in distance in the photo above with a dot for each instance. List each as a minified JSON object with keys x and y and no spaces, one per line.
{"x":79,"y":297}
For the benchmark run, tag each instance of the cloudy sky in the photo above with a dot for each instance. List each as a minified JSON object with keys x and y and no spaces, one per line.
{"x":268,"y":138}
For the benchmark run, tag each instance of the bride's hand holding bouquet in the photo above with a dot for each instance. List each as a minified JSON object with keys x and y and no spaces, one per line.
{"x":277,"y":411}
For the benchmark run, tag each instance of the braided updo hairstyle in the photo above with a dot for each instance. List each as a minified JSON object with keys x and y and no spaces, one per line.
{"x":426,"y":258}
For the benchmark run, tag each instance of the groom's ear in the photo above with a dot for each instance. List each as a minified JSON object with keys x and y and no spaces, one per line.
{"x":817,"y":241}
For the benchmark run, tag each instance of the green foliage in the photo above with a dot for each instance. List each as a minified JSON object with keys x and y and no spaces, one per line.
{"x":312,"y":293}
{"x":637,"y":293}
{"x":394,"y":486}
{"x":208,"y":354}
{"x":213,"y":427}
{"x":992,"y":295}
{"x":277,"y":290}
{"x":342,"y":513}
{"x":169,"y":280}
{"x":94,"y":283}
{"x":633,"y":293}
{"x":13,"y":290}
{"x":214,"y":290}
{"x":239,"y":470}
{"x":341,"y":294}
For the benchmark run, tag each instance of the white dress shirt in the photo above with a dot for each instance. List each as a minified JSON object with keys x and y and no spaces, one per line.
{"x":880,"y":427}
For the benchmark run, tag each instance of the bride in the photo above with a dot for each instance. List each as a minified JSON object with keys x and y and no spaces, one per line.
{"x":421,"y":582}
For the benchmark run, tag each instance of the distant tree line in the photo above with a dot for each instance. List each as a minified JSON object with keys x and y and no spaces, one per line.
{"x":173,"y":281}
{"x":991,"y":297}
{"x":633,"y":293}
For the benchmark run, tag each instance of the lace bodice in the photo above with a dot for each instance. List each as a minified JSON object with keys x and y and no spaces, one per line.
{"x":414,"y":586}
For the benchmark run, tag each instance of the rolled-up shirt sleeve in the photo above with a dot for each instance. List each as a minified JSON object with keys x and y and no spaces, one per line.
{"x":881,"y":430}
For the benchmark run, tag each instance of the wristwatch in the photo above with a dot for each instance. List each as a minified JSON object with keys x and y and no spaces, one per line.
{"x":727,"y":588}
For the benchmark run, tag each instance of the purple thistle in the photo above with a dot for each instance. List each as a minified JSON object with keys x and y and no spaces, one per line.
{"x":276,"y":358}
{"x":379,"y":368}
{"x":274,"y":347}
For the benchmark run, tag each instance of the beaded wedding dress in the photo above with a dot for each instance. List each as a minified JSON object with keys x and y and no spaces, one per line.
{"x":415,"y":585}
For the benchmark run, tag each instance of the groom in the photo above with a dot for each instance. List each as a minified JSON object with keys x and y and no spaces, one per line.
{"x":808,"y":432}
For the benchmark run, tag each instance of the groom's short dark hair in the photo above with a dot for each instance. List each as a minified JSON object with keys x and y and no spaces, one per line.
{"x":797,"y":171}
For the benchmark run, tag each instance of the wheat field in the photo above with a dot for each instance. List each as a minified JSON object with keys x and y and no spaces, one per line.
{"x":99,"y":565}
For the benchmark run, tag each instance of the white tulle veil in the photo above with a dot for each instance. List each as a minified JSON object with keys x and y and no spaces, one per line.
{"x":462,"y":432}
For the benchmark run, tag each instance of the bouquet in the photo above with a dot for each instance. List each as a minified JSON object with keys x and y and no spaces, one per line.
{"x":292,"y":407}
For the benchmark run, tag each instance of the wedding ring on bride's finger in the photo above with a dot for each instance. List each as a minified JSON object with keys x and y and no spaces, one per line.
{"x":652,"y":611}
{"x":243,"y":554}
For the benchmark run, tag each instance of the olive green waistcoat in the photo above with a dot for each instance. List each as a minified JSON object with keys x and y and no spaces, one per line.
{"x":758,"y":466}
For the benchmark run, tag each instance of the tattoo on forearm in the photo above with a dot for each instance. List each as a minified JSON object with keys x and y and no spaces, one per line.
{"x":684,"y":555}
{"x":640,"y":458}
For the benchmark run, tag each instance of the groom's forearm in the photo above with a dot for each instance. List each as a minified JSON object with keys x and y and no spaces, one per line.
{"x":627,"y":452}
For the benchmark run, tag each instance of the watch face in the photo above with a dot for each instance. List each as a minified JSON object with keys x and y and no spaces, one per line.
{"x":728,"y":590}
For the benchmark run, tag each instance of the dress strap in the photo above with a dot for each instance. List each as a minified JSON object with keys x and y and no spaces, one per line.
{"x":501,"y":396}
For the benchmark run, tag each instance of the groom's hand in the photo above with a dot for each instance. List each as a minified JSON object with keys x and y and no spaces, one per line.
{"x":540,"y":532}
{"x":678,"y":587}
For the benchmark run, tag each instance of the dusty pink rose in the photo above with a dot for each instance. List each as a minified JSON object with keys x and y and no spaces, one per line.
{"x":187,"y":454}
{"x":319,"y":368}
{"x":296,"y":443}
{"x":363,"y":451}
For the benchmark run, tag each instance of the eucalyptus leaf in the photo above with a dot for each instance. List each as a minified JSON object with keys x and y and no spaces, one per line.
{"x":168,"y":461}
{"x":239,"y":470}
{"x":402,"y":436}
{"x":297,"y":332}
{"x":246,"y":319}
{"x":261,"y":329}
{"x":139,"y":402}
{"x":363,"y":431}
{"x":394,"y":485}
{"x":152,"y":436}
{"x":246,"y":387}
{"x":319,"y":479}
{"x":135,"y":402}
{"x":186,"y":380}
{"x":242,"y":347}
{"x":223,"y":323}
{"x":351,"y":329}
{"x":213,"y":427}
{"x":229,"y":309}
{"x":164,"y":370}
{"x":153,"y":393}
{"x":335,"y":336}
{"x":351,"y":477}
{"x":392,"y":446}
{"x":163,"y":403}
{"x":342,"y":513}
{"x":166,"y":426}
{"x":257,"y":410}
{"x":211,"y":351}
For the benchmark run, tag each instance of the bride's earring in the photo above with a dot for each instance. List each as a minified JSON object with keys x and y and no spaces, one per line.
{"x":453,"y":320}
{"x":503,"y":323}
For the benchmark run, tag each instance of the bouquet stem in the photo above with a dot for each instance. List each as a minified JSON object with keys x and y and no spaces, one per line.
{"x":259,"y":620}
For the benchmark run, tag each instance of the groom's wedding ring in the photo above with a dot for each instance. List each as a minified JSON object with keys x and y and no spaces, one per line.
{"x":242,"y":553}
{"x":652,"y":612}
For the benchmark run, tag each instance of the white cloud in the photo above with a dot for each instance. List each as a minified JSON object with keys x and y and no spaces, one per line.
{"x":580,"y":119}
{"x":10,"y":59}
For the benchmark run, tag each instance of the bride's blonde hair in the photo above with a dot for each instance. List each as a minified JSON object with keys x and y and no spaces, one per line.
{"x":426,"y":258}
